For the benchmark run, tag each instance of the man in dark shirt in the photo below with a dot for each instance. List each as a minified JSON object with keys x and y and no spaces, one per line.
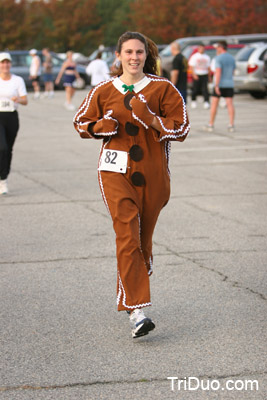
{"x":179,"y":70}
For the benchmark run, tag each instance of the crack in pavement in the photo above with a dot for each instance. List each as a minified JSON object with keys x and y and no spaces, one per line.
{"x":60,"y":194}
{"x":127,"y":381}
{"x":224,"y":277}
{"x":155,"y":254}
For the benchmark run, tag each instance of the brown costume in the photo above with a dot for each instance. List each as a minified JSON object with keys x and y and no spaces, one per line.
{"x":134,"y":198}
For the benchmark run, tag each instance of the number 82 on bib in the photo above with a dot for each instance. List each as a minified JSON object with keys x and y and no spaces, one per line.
{"x":114,"y":161}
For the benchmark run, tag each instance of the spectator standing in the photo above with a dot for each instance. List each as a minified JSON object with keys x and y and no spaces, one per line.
{"x":200,"y":64}
{"x":223,"y":85}
{"x":69,"y":70}
{"x":179,"y":70}
{"x":35,"y":72}
{"x":12,"y":93}
{"x":47,"y":73}
{"x":137,"y":114}
{"x":98,"y":70}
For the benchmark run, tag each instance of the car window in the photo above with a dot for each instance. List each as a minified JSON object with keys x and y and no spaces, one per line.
{"x":233,"y":50}
{"x":262,"y":55}
{"x":15,"y":60}
{"x":244,"y":54}
{"x":56,"y":61}
{"x":166,"y":52}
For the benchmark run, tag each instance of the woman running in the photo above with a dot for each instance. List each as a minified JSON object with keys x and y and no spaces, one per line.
{"x":137,"y":114}
{"x":12,"y":93}
{"x":70,"y":72}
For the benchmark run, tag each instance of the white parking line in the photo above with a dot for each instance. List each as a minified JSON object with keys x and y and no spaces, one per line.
{"x":224,"y":161}
{"x":241,"y":147}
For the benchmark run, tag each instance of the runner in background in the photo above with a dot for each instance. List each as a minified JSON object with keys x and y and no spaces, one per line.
{"x":47,"y":73}
{"x":35,"y":73}
{"x":70,"y":73}
{"x":12,"y":93}
{"x":200,"y":63}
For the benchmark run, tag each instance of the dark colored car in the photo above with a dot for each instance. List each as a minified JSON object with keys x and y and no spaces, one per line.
{"x":21,"y":61}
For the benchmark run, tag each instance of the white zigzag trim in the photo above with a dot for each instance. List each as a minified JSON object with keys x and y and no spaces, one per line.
{"x":151,"y":266}
{"x":184,"y":112}
{"x":100,"y":180}
{"x":167,"y":153}
{"x":173,"y":131}
{"x":87,"y":104}
{"x":121,"y":289}
{"x":138,"y":119}
{"x":108,"y":116}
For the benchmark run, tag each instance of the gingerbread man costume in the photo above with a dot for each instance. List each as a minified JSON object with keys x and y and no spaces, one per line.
{"x":136,"y":192}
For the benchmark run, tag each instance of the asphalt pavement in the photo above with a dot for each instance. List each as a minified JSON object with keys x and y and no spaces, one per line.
{"x":61,"y":336}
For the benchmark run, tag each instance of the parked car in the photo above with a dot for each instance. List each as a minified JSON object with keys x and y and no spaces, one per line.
{"x":108,"y":55}
{"x":21,"y":61}
{"x":249,"y":70}
{"x":247,"y":38}
{"x":167,"y":57}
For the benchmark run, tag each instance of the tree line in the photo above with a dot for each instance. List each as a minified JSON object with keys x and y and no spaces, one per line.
{"x":82,"y":25}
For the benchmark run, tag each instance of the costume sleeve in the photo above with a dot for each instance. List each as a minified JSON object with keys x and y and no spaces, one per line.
{"x":173,"y":116}
{"x":91,"y":112}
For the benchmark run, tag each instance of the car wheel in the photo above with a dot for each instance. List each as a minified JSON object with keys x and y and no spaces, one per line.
{"x":257,"y":94}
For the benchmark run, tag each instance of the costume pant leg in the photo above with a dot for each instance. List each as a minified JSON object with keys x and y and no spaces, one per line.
{"x":125,"y":206}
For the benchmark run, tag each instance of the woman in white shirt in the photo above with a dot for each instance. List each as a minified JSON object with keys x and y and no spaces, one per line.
{"x":12,"y":93}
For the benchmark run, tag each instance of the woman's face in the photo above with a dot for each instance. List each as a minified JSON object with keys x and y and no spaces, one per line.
{"x":132,"y":57}
{"x":5,"y":66}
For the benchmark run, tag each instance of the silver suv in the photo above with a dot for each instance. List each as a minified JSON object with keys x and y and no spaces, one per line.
{"x":249,"y":73}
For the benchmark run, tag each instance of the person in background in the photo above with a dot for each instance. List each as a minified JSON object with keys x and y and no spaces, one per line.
{"x":12,"y":93}
{"x":137,"y":114}
{"x":200,"y":64}
{"x":179,"y":70}
{"x":223,"y":85}
{"x":98,"y":70}
{"x":69,"y":70}
{"x":35,"y":72}
{"x":47,"y":73}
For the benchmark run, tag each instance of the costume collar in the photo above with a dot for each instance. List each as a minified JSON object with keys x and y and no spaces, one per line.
{"x":137,"y":86}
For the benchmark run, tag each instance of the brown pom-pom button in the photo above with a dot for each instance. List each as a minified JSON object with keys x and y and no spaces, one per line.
{"x":138,"y":179}
{"x":131,"y":129}
{"x":136,"y":152}
{"x":127,"y":100}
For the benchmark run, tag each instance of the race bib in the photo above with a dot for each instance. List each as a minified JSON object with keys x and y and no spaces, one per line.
{"x":7,"y":105}
{"x":113,"y":160}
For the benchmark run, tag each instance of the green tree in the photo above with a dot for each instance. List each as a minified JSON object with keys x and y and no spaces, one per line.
{"x":11,"y":25}
{"x":114,"y":19}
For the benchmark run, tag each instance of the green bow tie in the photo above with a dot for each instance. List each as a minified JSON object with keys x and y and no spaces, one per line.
{"x":130,"y":88}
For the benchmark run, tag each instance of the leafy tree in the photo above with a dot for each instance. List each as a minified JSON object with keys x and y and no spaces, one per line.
{"x":11,"y":26}
{"x":114,"y":19}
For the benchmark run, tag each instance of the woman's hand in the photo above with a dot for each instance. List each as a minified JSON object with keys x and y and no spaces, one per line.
{"x":106,"y":126}
{"x":141,"y":112}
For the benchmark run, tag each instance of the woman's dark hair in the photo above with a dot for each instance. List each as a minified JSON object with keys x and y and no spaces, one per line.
{"x":151,"y":49}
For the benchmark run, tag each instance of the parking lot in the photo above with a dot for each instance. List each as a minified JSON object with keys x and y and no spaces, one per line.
{"x":61,"y":336}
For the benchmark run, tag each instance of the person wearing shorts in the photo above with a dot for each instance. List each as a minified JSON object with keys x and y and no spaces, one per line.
{"x":70,"y":74}
{"x":35,"y":72}
{"x":47,"y":73}
{"x":223,"y":85}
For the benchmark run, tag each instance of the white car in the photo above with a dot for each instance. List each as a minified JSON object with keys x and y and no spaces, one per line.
{"x":249,"y":70}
